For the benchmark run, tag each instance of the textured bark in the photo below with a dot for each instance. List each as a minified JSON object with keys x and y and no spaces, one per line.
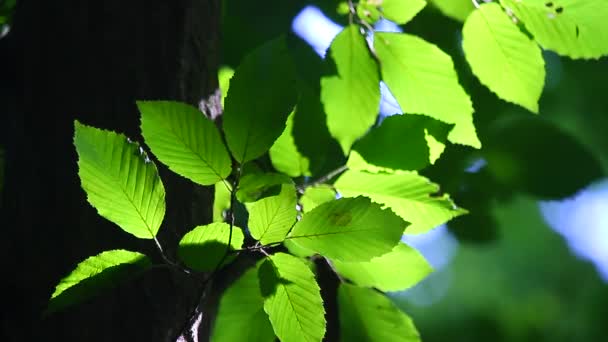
{"x":91,"y":60}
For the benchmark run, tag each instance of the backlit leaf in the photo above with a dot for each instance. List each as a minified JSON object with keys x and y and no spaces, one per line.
{"x":401,"y":11}
{"x":204,"y":247}
{"x":271,"y":217}
{"x":285,"y":156}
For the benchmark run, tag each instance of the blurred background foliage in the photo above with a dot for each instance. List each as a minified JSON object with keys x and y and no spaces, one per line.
{"x":503,"y":273}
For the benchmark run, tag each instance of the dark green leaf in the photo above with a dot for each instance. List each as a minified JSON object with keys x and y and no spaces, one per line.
{"x":204,"y":247}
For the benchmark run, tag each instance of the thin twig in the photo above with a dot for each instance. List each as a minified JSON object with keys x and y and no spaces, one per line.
{"x":323,"y":179}
{"x":169,"y":261}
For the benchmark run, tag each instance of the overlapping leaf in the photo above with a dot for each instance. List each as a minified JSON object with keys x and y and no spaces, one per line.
{"x":221,"y":201}
{"x":401,"y":11}
{"x":573,"y":28}
{"x":185,"y":140}
{"x":366,"y":315}
{"x":349,"y":229}
{"x":398,"y":270}
{"x":315,"y":195}
{"x":423,"y":80}
{"x":261,"y":95}
{"x":120,"y":181}
{"x":503,"y":57}
{"x":271,"y":218}
{"x":94,"y":274}
{"x":456,"y":9}
{"x":409,"y":195}
{"x":256,"y":185}
{"x":285,"y":156}
{"x":292,"y":299}
{"x":241,"y":315}
{"x":204,"y":247}
{"x":351,"y":92}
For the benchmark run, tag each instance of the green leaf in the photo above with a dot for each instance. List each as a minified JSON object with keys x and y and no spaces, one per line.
{"x":271,"y":218}
{"x":285,"y":156}
{"x":409,"y":195}
{"x":368,"y":11}
{"x":292,"y":299}
{"x":204,"y":247}
{"x":502,"y":57}
{"x":366,"y":316}
{"x":349,"y":229}
{"x":241,"y":315}
{"x":351,"y":91}
{"x":224,"y":75}
{"x":401,"y":11}
{"x":573,"y":28}
{"x":120,"y":181}
{"x":423,"y":80}
{"x":398,"y":270}
{"x":297,"y":250}
{"x":255,"y":185}
{"x":356,"y":162}
{"x":455,"y":9}
{"x":94,"y":274}
{"x":400,"y":142}
{"x":221,"y":201}
{"x":185,"y":140}
{"x":315,"y":195}
{"x":262,"y":94}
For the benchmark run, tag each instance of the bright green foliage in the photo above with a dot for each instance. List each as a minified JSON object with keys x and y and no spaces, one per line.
{"x":315,"y":195}
{"x":423,"y":80}
{"x":398,"y":270}
{"x":297,"y":250}
{"x":401,"y":11}
{"x":224,"y":75}
{"x":456,"y":9}
{"x":349,"y":229}
{"x":366,"y":315}
{"x":387,"y":145}
{"x":573,"y":28}
{"x":271,"y":217}
{"x":350,"y":92}
{"x":94,"y":274}
{"x":120,"y":181}
{"x":409,"y":195}
{"x":285,"y":156}
{"x":503,"y":57}
{"x":241,"y":315}
{"x":356,"y":162}
{"x":255,"y":185}
{"x":292,"y":299}
{"x":185,"y":140}
{"x":203,"y":247}
{"x":262,"y":94}
{"x":221,"y":200}
{"x":368,"y":11}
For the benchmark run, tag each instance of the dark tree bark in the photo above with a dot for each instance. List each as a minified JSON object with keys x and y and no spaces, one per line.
{"x":90,"y":60}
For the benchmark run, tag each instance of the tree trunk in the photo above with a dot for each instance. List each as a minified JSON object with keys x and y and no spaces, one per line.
{"x":90,"y":60}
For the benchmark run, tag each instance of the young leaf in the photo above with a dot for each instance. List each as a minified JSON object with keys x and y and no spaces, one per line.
{"x":241,"y":315}
{"x":409,"y":195}
{"x":351,"y":91}
{"x":366,"y":315}
{"x":285,"y":156}
{"x":262,"y":94}
{"x":94,"y":274}
{"x":398,"y":270}
{"x":349,"y":229}
{"x":401,"y":142}
{"x":120,"y":181}
{"x":455,"y":9}
{"x":502,"y":57}
{"x":221,"y":201}
{"x":315,"y":195}
{"x":423,"y":80}
{"x":292,"y":299}
{"x":185,"y":140}
{"x":256,"y":185}
{"x":204,"y":247}
{"x":401,"y":11}
{"x":573,"y":28}
{"x":271,"y":218}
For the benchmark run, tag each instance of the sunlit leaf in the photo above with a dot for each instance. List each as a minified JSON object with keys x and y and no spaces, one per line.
{"x":349,"y":229}
{"x":401,"y":11}
{"x":292,"y":299}
{"x":285,"y":156}
{"x":94,"y":274}
{"x":398,"y":270}
{"x":502,"y":57}
{"x":224,"y":75}
{"x":204,"y":247}
{"x":455,"y":9}
{"x":271,"y":217}
{"x":256,"y":185}
{"x":351,"y":91}
{"x":409,"y":195}
{"x":315,"y":195}
{"x":120,"y":181}
{"x":221,"y":201}
{"x":366,"y":315}
{"x":423,"y":80}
